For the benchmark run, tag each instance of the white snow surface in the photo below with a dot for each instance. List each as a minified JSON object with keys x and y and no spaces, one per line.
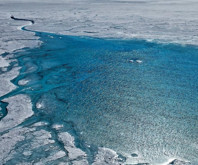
{"x":5,"y":85}
{"x":164,"y":21}
{"x":19,"y":108}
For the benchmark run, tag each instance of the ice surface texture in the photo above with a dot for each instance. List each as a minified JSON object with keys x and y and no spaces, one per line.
{"x":170,"y":20}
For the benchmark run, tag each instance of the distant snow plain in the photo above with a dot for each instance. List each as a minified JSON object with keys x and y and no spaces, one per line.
{"x":165,"y":21}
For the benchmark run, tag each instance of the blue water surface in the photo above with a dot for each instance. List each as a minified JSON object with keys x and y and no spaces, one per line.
{"x":101,"y":94}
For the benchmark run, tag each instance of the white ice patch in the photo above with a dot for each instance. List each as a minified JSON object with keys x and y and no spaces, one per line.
{"x":57,"y":126}
{"x":38,"y":124}
{"x":139,"y":61}
{"x":73,"y":152}
{"x":40,"y":105}
{"x":27,"y":153}
{"x":19,"y":108}
{"x":23,"y":82}
{"x":3,"y":62}
{"x":106,"y":156}
{"x":5,"y":85}
{"x":55,"y":156}
{"x":41,"y":138}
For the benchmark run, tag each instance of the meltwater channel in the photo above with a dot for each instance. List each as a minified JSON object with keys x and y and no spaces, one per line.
{"x":135,"y":97}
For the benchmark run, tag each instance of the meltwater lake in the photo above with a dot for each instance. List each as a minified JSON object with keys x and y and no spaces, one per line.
{"x":135,"y":97}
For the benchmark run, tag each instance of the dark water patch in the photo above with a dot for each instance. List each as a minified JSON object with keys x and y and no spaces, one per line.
{"x":134,"y":155}
{"x":3,"y":109}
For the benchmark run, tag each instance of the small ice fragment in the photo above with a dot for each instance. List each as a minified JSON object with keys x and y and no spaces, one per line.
{"x":23,"y":82}
{"x":139,"y":61}
{"x":27,"y":153}
{"x":39,"y":105}
{"x":57,"y":126}
{"x":41,"y":123}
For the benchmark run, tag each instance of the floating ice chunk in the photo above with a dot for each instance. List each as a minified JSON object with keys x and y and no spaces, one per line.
{"x":106,"y":156}
{"x":19,"y":108}
{"x":139,"y":61}
{"x":41,"y":123}
{"x":23,"y":82}
{"x":39,"y":105}
{"x":73,"y":152}
{"x":57,"y":126}
{"x":27,"y":153}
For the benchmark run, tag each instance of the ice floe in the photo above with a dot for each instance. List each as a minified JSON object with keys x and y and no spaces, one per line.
{"x":23,"y":82}
{"x":57,"y":126}
{"x":106,"y":156}
{"x":74,"y":153}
